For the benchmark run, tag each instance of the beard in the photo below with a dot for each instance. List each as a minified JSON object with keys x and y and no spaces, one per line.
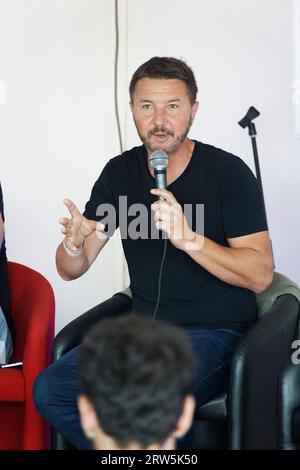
{"x":168,"y":148}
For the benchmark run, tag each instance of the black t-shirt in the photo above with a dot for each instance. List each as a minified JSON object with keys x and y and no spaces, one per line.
{"x":190,"y":295}
{"x":4,"y":286}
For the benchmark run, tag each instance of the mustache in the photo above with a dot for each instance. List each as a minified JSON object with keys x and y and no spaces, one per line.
{"x":161,"y":129}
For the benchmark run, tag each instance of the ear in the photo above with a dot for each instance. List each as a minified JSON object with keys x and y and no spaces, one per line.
{"x":195,"y":107}
{"x":185,"y":420}
{"x":88,"y":417}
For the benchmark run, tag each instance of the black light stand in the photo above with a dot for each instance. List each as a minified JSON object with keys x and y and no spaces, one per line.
{"x":246,"y":121}
{"x":251,"y":114}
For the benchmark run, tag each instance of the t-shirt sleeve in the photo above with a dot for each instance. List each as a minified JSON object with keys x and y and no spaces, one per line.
{"x":102,"y":203}
{"x":243,"y":209}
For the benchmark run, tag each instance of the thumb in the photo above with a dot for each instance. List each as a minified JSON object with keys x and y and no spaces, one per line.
{"x":98,"y":226}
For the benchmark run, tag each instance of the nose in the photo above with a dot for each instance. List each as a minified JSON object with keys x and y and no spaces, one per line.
{"x":159,"y":117}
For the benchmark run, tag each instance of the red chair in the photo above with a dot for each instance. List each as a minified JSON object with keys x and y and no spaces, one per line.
{"x":32,"y":298}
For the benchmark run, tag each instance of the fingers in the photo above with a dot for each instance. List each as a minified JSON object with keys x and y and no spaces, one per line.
{"x":168,"y":196}
{"x":77,"y":228}
{"x":160,"y":205}
{"x":100,"y":231}
{"x":163,"y":210}
{"x":66,"y":225}
{"x":66,"y":231}
{"x":160,"y":215}
{"x":168,"y":214}
{"x":164,"y":207}
{"x":93,"y":225}
{"x":65,"y":221}
{"x":99,"y":226}
{"x":72,"y":208}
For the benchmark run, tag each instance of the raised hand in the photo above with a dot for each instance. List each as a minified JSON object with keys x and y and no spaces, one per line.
{"x":78,"y":228}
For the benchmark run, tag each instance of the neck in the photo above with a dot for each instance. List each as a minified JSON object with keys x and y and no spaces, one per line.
{"x":104,"y":442}
{"x":178,"y":160}
{"x":186,"y":147}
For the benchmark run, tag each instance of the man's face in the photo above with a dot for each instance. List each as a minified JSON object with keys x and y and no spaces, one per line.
{"x":162,"y":113}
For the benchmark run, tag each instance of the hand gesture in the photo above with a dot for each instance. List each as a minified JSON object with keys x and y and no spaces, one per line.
{"x":78,"y":228}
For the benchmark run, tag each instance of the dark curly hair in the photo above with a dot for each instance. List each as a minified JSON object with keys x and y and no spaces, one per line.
{"x":136,"y":371}
{"x":166,"y":68}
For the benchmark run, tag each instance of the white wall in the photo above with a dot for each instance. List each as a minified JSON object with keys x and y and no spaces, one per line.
{"x":242,"y":55}
{"x":57,"y":132}
{"x":58,"y":129}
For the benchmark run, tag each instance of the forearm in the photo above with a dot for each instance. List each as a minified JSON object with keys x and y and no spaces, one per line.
{"x":242,"y":267}
{"x":70,"y":267}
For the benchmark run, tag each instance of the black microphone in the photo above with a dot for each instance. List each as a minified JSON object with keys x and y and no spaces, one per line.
{"x":159,"y":161}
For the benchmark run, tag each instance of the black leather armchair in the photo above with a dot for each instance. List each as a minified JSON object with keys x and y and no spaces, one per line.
{"x":289,"y":407}
{"x":247,"y":417}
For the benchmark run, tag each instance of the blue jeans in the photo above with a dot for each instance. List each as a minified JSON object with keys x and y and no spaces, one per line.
{"x":57,"y":387}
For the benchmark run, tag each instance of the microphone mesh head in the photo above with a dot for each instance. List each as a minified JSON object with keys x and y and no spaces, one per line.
{"x":159,"y":160}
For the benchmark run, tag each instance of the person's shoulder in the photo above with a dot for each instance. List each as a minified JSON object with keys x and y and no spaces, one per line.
{"x":126,"y":157}
{"x":218,"y":153}
{"x":223,"y":159}
{"x":117,"y":166}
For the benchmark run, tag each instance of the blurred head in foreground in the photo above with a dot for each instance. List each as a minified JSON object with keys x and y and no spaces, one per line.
{"x":136,"y":376}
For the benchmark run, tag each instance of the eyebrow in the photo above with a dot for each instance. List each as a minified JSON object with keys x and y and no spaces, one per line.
{"x":169,"y":101}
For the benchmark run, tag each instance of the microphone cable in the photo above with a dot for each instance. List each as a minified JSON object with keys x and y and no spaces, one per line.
{"x":117,"y":42}
{"x":160,"y":277}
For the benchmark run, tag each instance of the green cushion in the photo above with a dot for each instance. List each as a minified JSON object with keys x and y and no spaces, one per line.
{"x":280,"y":285}
{"x":127,"y":292}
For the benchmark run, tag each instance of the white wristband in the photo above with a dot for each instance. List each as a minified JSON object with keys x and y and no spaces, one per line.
{"x":71,"y":252}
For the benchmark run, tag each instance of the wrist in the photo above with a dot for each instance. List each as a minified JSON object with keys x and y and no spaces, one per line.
{"x":193,"y":243}
{"x":72,"y":252}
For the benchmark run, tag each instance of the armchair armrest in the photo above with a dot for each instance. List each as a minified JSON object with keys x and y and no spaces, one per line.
{"x":71,"y":335}
{"x":289,"y":407}
{"x":256,"y":366}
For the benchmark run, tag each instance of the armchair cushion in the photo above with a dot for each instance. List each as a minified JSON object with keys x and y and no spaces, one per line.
{"x":266,"y":299}
{"x":12,"y":385}
{"x":280,"y":285}
{"x":127,"y":292}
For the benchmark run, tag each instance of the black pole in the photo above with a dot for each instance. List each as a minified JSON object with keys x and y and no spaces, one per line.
{"x":251,"y":114}
{"x":253,"y":133}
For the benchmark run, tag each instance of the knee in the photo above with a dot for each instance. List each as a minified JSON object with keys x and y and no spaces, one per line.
{"x":43,"y":390}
